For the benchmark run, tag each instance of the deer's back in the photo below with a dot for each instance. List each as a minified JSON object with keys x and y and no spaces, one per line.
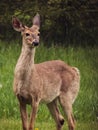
{"x":54,"y":65}
{"x":56,"y":77}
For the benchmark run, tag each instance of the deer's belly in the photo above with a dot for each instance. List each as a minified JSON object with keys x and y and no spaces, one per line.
{"x":51,"y":90}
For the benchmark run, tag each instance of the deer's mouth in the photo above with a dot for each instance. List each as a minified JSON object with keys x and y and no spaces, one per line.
{"x":35,"y":44}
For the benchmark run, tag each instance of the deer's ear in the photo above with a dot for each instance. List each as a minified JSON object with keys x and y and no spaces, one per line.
{"x":17,"y":25}
{"x":36,"y":20}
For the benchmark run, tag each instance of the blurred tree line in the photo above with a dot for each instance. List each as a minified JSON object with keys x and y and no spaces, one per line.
{"x":62,"y":21}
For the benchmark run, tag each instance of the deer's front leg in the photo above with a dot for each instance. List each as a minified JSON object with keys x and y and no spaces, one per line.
{"x":24,"y":115}
{"x":35,"y":104}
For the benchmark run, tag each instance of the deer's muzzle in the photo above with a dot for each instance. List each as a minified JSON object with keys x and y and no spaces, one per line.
{"x":35,"y":43}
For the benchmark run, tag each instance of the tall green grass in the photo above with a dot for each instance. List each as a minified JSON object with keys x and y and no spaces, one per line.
{"x":11,"y":124}
{"x":86,"y":59}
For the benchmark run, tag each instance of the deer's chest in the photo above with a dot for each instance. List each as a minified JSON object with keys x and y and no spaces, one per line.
{"x":25,"y":83}
{"x":21,"y":80}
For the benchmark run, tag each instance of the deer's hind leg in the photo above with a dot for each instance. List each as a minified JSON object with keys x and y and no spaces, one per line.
{"x":66,"y":104}
{"x":56,"y":114}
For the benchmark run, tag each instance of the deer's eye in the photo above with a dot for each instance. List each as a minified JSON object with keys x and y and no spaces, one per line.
{"x":27,"y":34}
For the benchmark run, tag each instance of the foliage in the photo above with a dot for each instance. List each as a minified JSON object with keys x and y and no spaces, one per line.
{"x":73,"y":20}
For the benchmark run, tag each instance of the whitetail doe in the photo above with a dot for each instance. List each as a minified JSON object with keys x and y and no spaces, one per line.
{"x":49,"y":82}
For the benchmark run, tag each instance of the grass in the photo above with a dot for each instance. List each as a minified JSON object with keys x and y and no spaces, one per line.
{"x":12,"y":124}
{"x":85,"y":106}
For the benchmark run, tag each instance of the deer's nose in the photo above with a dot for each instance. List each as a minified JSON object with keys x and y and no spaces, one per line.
{"x":35,"y":43}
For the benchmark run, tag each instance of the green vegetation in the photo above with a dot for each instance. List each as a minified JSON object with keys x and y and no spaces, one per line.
{"x":85,"y":106}
{"x":60,"y":19}
{"x":49,"y":125}
{"x":73,"y":25}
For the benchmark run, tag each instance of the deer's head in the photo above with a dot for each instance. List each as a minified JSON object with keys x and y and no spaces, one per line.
{"x":30,"y":35}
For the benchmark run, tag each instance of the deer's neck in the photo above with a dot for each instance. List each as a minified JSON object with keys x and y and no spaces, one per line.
{"x":25,"y":62}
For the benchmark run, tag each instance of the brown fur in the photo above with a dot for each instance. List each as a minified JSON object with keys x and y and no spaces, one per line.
{"x":46,"y":82}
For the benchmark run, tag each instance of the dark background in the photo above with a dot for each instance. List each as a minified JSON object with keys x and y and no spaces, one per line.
{"x":62,"y":21}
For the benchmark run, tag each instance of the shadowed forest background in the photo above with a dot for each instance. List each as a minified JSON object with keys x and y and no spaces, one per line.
{"x":62,"y":21}
{"x":69,"y":32}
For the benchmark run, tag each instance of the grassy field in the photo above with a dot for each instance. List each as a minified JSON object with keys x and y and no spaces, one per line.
{"x":16,"y":125}
{"x":86,"y":105}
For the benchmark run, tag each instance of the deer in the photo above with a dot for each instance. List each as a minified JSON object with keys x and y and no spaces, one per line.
{"x":51,"y":82}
